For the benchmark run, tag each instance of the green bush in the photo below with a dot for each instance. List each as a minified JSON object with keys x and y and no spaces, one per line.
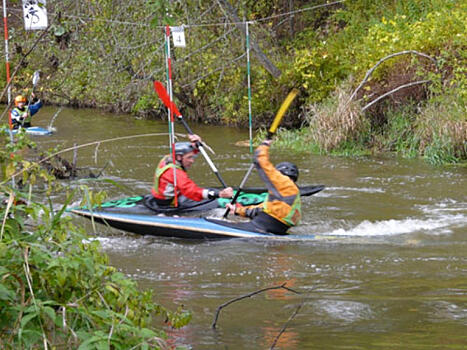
{"x":56,"y":287}
{"x":441,"y":127}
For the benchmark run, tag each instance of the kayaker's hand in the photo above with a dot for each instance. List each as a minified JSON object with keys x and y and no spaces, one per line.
{"x":226,"y":193}
{"x":34,"y":98}
{"x":194,"y":138}
{"x":231,"y":208}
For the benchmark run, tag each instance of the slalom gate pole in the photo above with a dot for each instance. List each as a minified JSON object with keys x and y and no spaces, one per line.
{"x":164,"y":96}
{"x":250,"y":124}
{"x":7,"y":59}
{"x":8,"y":77}
{"x":168,"y":64}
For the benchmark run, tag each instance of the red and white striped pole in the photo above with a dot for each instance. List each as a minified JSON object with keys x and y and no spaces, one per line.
{"x":168,"y":64}
{"x":8,"y":78}
{"x":7,"y":59}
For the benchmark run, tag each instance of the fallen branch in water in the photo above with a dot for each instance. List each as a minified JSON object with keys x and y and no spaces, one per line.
{"x":282,"y":286}
{"x":62,"y":169}
{"x":285,"y":326}
{"x":85,"y":145}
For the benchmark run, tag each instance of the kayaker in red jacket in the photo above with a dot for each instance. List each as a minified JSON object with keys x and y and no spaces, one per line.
{"x":188,"y":193}
{"x":282,"y":207}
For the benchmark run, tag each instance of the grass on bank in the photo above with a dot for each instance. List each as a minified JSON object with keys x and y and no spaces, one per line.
{"x":435,"y":130}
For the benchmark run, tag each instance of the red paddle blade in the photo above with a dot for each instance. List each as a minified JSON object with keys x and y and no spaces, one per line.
{"x":164,"y":96}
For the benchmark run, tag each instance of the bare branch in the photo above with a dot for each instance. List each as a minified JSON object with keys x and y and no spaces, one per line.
{"x":282,"y":286}
{"x":261,"y":56}
{"x":86,"y":145}
{"x":370,"y":71}
{"x":285,"y":325}
{"x":395,"y":90}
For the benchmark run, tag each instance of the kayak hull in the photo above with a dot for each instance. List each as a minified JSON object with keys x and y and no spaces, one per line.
{"x":137,"y":215}
{"x":145,"y":205}
{"x":34,"y":131}
{"x":169,"y":226}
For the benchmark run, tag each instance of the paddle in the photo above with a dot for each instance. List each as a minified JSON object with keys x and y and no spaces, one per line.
{"x":164,"y":96}
{"x":272,"y":130}
{"x":50,"y":128}
{"x":35,"y":79}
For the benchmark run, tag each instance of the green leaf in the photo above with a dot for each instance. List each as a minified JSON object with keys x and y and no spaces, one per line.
{"x":148,"y":333}
{"x":50,"y":312}
{"x":104,"y":314}
{"x":87,"y":343}
{"x":102,"y":345}
{"x":58,"y":215}
{"x":59,"y":30}
{"x":27,"y":318}
{"x":6,"y":294}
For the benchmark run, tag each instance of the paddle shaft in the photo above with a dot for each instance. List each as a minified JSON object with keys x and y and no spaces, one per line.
{"x":272,"y":130}
{"x":237,"y":194}
{"x":35,"y":80}
{"x":203,"y":152}
{"x":160,"y":90}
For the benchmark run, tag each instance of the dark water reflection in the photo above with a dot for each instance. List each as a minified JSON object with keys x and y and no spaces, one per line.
{"x":387,"y":271}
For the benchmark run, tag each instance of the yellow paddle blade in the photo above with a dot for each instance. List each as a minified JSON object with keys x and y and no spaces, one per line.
{"x":280,"y":113}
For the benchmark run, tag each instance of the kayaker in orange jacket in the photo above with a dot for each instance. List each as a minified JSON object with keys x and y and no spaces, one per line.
{"x":282,"y":207}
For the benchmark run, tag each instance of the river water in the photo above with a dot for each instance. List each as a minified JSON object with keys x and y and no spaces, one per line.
{"x":387,"y":269}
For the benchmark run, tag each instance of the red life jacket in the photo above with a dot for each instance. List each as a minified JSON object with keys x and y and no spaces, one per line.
{"x":163,"y":187}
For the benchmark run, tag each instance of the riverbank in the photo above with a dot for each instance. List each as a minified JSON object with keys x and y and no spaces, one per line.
{"x":374,"y":77}
{"x":435,"y":130}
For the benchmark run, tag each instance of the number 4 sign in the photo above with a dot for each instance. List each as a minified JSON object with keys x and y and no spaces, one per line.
{"x":178,"y":36}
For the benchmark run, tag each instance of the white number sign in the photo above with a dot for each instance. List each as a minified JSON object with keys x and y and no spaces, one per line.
{"x":35,"y":14}
{"x":178,"y":36}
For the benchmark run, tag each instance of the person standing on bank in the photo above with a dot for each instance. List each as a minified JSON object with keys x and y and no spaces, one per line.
{"x":282,"y":207}
{"x":21,"y":114}
{"x":188,"y":193}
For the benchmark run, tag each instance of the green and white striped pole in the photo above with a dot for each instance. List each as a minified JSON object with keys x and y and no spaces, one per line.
{"x":250,"y":124}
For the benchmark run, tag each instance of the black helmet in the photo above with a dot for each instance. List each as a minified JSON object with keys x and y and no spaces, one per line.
{"x":182,"y":148}
{"x":288,"y":169}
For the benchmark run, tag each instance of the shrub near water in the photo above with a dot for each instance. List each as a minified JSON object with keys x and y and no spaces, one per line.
{"x":57,"y":290}
{"x":336,"y":121}
{"x":428,"y":120}
{"x":442,"y":131}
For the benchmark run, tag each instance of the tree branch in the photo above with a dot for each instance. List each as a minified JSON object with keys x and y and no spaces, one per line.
{"x":282,"y":286}
{"x":395,"y":90}
{"x":370,"y":71}
{"x":85,"y":145}
{"x":267,"y":64}
{"x":285,"y":326}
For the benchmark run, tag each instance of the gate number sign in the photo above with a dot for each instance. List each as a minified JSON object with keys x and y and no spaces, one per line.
{"x":35,"y":14}
{"x":178,"y":36}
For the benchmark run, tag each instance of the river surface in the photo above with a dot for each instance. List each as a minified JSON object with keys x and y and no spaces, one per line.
{"x":387,"y":270}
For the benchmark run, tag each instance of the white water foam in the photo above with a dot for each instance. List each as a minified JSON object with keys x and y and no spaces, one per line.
{"x":357,"y":189}
{"x":440,"y":225}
